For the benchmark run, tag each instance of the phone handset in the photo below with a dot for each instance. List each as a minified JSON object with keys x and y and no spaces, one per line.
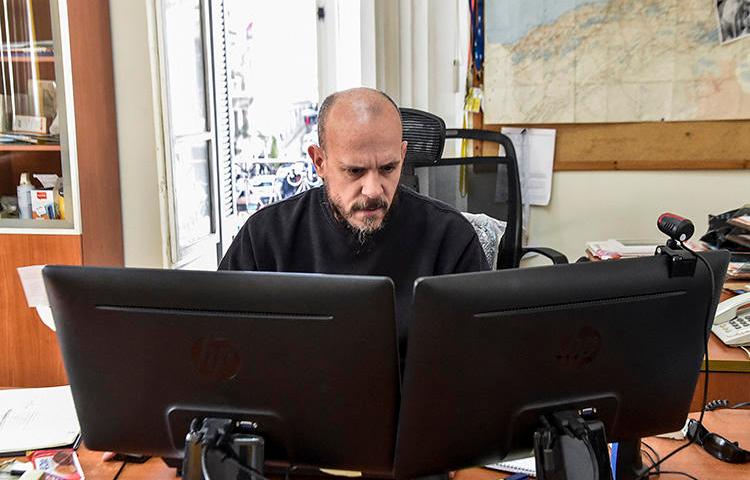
{"x":731,"y":327}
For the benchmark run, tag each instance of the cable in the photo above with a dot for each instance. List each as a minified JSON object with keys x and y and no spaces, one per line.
{"x":716,"y":405}
{"x":721,"y":404}
{"x":204,"y":468}
{"x":253,"y":472}
{"x":656,"y":456}
{"x":648,"y":454}
{"x":745,"y":350}
{"x":671,"y":472}
{"x":119,"y":471}
{"x":706,"y":327}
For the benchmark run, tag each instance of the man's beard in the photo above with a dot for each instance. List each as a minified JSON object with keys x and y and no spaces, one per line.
{"x":363,"y":233}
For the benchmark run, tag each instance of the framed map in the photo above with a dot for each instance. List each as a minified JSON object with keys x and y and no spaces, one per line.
{"x":592,"y":61}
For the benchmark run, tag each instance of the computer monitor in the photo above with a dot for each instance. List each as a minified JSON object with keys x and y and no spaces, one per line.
{"x":490,"y":352}
{"x":312,"y":359}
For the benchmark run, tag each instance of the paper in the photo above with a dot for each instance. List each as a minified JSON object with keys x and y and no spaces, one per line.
{"x":535,"y":150}
{"x":522,"y":465}
{"x":33,"y":285}
{"x":37,"y":418}
{"x":36,"y":294}
{"x":48,"y":180}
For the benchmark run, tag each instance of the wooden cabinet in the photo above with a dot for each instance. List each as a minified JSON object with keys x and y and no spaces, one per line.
{"x":86,"y":157}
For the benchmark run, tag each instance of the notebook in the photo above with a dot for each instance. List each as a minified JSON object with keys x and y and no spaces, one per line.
{"x":522,"y":465}
{"x":37,"y":418}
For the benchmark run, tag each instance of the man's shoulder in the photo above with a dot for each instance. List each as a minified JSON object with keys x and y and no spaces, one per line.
{"x":434,"y":209}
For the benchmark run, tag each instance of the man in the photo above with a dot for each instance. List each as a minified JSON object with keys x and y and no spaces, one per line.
{"x":360,"y":222}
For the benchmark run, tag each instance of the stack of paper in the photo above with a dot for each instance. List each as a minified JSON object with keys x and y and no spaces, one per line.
{"x":613,"y":249}
{"x":37,"y":418}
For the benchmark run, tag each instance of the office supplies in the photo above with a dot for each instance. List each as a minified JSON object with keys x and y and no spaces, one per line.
{"x":309,"y":362}
{"x":592,"y":337}
{"x":61,"y":463}
{"x":36,"y":418}
{"x":732,"y":321}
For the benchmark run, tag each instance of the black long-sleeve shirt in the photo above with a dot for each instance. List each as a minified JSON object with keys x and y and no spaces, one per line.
{"x":421,"y":237}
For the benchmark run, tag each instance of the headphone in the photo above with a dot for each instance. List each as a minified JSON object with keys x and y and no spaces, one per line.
{"x":716,"y":445}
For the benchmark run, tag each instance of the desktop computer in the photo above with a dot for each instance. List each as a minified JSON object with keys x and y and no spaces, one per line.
{"x":497,"y":358}
{"x":306,"y":364}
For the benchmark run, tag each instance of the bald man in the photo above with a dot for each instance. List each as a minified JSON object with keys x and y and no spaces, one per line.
{"x":360,"y":222}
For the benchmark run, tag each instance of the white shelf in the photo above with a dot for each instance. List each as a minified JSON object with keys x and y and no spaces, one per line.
{"x":37,"y":227}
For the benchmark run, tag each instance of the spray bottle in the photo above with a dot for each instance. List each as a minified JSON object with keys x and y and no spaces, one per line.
{"x":24,"y":196}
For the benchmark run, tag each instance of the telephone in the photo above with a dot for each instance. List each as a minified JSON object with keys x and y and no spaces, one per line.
{"x":732,"y":321}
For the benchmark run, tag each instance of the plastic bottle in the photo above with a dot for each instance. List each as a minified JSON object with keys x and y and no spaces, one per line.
{"x":24,"y":196}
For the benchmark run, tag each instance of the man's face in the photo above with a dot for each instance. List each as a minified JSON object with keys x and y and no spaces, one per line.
{"x":361,"y":165}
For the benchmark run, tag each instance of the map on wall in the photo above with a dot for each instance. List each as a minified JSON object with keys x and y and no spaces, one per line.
{"x":577,"y":61}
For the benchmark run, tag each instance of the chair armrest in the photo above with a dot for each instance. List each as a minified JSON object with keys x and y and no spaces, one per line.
{"x":556,"y":257}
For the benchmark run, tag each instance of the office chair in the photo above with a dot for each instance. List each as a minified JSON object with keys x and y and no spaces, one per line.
{"x":425,"y":135}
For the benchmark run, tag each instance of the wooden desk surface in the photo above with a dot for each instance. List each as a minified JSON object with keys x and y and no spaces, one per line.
{"x":732,"y":424}
{"x":723,"y":358}
{"x":726,"y":359}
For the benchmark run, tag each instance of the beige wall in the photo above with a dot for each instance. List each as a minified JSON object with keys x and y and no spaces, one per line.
{"x":625,"y":205}
{"x":138,"y":129}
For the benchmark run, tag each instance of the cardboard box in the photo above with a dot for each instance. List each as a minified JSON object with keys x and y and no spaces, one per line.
{"x":42,"y":204}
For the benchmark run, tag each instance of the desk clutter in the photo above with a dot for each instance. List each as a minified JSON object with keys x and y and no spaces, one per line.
{"x":41,"y":425}
{"x":224,"y":375}
{"x":56,"y":464}
{"x":37,"y":419}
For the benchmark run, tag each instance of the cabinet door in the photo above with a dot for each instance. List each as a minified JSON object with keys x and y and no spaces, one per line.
{"x":189,"y":125}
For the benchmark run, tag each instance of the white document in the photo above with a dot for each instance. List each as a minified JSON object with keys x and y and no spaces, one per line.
{"x":522,"y":465}
{"x":37,"y":418}
{"x":535,"y":150}
{"x":36,"y":293}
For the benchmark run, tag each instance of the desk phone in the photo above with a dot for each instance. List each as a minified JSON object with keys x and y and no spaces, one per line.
{"x":732,"y":321}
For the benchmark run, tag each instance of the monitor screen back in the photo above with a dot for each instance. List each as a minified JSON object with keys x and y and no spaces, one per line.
{"x":490,"y":352}
{"x":312,"y":359}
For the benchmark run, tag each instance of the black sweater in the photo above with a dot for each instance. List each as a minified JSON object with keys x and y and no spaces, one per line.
{"x":421,"y":237}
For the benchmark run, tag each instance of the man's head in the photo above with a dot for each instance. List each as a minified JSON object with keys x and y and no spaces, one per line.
{"x":360,"y":156}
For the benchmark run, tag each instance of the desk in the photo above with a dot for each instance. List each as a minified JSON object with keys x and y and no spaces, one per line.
{"x":730,"y":372}
{"x":735,"y":425}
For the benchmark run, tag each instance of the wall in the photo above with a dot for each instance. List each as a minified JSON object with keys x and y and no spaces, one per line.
{"x":625,"y":205}
{"x":139,"y":130}
{"x":585,"y":205}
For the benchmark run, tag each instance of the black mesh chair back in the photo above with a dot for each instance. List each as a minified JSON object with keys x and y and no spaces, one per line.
{"x":425,"y":137}
{"x":425,"y":134}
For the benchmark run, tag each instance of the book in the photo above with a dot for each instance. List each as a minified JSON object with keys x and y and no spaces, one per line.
{"x":742,"y":222}
{"x":740,"y":239}
{"x":37,"y":418}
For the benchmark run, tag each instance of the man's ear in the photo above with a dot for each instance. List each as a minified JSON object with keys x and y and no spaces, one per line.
{"x":318,"y":159}
{"x":403,"y":150}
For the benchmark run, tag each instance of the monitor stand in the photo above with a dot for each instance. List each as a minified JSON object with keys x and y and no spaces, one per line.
{"x":628,"y":464}
{"x":240,"y":453}
{"x":568,"y":446}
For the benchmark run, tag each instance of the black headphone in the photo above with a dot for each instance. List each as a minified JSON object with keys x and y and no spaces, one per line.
{"x":716,"y":445}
